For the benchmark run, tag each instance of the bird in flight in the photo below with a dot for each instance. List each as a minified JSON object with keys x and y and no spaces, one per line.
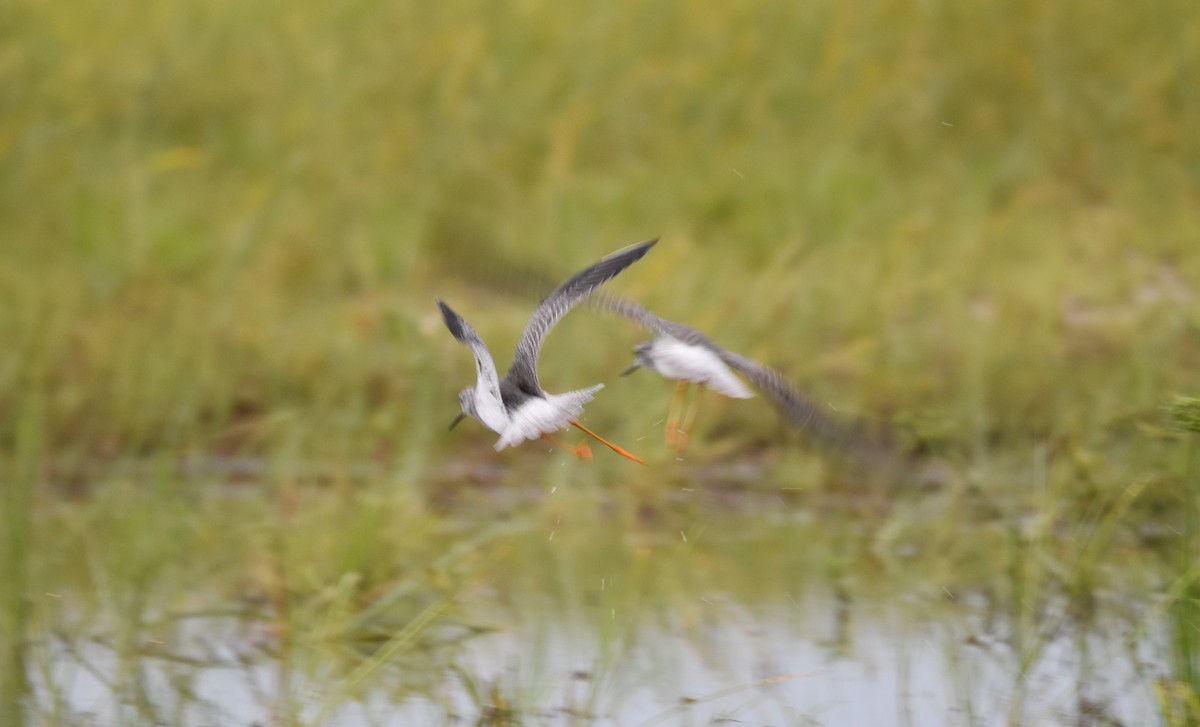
{"x":689,"y":357}
{"x":516,"y":407}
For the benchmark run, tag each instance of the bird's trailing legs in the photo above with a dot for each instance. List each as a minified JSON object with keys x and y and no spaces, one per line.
{"x":681,"y":388}
{"x":689,"y":420}
{"x":607,"y":443}
{"x":582,"y":451}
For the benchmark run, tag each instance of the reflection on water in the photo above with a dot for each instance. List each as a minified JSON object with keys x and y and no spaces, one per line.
{"x":762,"y":666}
{"x":594,"y":628}
{"x":756,"y":665}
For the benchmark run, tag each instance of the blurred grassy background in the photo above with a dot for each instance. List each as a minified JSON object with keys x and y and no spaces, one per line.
{"x":224,"y":223}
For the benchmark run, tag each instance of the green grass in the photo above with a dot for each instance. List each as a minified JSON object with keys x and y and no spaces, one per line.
{"x":223,"y":226}
{"x":223,"y":218}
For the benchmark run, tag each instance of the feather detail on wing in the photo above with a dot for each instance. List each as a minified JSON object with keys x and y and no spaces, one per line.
{"x":523,"y":374}
{"x":487,"y":381}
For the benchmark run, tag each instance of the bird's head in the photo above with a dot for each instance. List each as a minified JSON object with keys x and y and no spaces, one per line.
{"x":642,"y":358}
{"x":466,"y":400}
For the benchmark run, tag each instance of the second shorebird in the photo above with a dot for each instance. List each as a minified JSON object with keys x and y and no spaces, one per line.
{"x":688,"y":356}
{"x":516,"y":407}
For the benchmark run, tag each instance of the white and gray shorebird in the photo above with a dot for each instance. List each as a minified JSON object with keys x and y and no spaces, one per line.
{"x":516,"y":407}
{"x":689,"y":357}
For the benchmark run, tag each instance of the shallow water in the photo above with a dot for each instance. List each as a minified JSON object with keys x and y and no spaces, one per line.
{"x":748,"y":621}
{"x":756,"y":665}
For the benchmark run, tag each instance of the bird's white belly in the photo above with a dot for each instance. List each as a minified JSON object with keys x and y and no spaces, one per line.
{"x":675,"y":359}
{"x":538,"y":416}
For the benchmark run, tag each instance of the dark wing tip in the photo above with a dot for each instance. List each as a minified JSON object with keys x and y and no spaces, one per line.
{"x":453,"y":321}
{"x":592,"y":277}
{"x":633,"y":253}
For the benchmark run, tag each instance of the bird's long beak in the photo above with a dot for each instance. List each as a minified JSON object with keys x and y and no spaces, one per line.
{"x":457,"y":419}
{"x":631,"y":369}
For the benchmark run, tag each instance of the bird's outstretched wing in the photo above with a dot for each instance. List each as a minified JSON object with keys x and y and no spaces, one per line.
{"x":783,"y":395}
{"x":661,"y":326}
{"x":488,"y":383}
{"x":804,"y":412}
{"x":523,"y":377}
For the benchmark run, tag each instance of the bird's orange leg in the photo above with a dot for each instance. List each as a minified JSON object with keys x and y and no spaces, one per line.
{"x":689,"y":420}
{"x":582,"y":451}
{"x":681,"y":387}
{"x":607,"y":443}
